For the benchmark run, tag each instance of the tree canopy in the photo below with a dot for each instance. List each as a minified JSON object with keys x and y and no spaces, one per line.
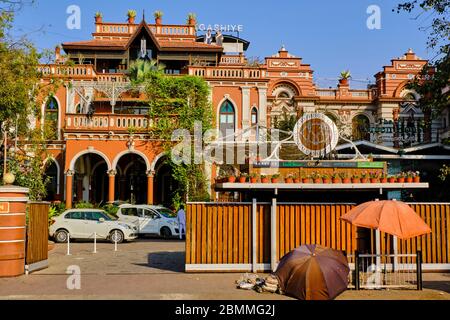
{"x":432,"y":92}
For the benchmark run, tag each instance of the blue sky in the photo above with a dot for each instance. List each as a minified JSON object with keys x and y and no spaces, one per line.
{"x":328,"y":34}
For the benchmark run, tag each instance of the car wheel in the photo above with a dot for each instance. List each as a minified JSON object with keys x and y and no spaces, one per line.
{"x":166,"y":233}
{"x":61,"y":236}
{"x":116,"y":236}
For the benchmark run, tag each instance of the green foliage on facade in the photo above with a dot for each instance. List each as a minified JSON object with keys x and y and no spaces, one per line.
{"x":177,"y":103}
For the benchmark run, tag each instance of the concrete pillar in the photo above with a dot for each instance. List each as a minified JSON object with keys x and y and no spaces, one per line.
{"x":69,"y":191}
{"x":245,"y":108}
{"x":13,"y":202}
{"x":150,"y":190}
{"x":111,"y":185}
{"x":262,"y":108}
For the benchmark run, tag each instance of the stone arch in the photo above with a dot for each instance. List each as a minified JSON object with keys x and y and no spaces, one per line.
{"x":156,"y":159}
{"x":285,"y":86}
{"x":82,"y":153}
{"x":139,"y":153}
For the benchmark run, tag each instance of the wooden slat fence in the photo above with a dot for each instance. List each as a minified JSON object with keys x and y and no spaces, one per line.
{"x":221,"y":233}
{"x":320,"y":224}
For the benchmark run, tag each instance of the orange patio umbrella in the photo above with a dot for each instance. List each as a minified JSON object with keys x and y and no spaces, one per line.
{"x":389,"y":216}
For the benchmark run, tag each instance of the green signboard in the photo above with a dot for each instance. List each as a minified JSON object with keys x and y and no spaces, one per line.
{"x":319,"y":164}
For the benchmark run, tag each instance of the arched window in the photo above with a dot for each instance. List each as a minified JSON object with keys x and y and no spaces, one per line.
{"x":227,"y":122}
{"x":78,"y":108}
{"x":51,"y":119}
{"x":361,"y":128}
{"x":254,"y":116}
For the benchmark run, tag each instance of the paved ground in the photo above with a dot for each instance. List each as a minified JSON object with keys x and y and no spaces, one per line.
{"x":153,"y":269}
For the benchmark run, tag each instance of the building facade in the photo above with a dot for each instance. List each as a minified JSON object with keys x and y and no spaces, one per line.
{"x":95,"y":156}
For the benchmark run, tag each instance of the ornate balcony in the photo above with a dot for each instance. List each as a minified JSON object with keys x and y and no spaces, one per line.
{"x":106,"y":123}
{"x":229,"y":72}
{"x":78,"y":72}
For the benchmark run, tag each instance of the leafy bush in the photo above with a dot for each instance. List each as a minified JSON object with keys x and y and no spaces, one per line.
{"x":84,"y":205}
{"x":111,"y":209}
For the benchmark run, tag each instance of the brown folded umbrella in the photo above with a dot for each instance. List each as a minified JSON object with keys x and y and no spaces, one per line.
{"x":390,"y":216}
{"x":312,"y":272}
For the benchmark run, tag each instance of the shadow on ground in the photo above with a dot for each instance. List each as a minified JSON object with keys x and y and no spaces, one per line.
{"x":437,"y":285}
{"x":167,"y":261}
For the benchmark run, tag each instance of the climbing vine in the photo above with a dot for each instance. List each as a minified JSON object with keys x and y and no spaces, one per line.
{"x":178,"y":103}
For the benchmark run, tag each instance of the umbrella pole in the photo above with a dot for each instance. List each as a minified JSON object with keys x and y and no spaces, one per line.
{"x":378,"y":257}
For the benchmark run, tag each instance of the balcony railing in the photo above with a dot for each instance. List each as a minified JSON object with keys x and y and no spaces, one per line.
{"x":227,"y":72}
{"x":164,"y":30}
{"x":107,"y":122}
{"x":77,"y":71}
{"x":232,"y":59}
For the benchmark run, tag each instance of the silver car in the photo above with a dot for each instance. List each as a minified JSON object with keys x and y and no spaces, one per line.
{"x":85,"y":223}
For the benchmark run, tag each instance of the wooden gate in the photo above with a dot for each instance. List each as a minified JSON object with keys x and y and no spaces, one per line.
{"x":37,"y":237}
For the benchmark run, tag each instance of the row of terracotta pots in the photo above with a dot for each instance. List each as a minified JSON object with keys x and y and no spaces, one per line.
{"x":323,"y":180}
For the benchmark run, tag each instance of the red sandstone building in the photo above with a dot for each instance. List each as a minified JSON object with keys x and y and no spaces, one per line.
{"x":95,"y":158}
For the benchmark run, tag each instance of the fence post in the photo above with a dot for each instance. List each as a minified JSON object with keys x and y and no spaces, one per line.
{"x":254,"y":237}
{"x":419,"y":269}
{"x":273,"y":235}
{"x":356,"y":270}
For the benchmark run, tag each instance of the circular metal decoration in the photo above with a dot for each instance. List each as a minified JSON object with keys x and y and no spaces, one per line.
{"x":315,"y":134}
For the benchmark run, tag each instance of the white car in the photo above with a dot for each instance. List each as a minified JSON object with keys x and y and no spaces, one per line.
{"x":84,"y":223}
{"x":156,"y":220}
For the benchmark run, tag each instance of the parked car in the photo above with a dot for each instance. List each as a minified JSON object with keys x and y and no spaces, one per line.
{"x":155,"y":220}
{"x":83,"y":223}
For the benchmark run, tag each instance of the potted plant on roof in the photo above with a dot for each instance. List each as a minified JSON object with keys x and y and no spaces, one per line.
{"x":305,"y":178}
{"x":296,"y":178}
{"x":409,"y":177}
{"x":275,"y":177}
{"x":98,"y":17}
{"x":344,"y":177}
{"x":192,"y":19}
{"x":335,"y":177}
{"x":392,"y":179}
{"x":416,"y":177}
{"x":374,"y":177}
{"x":131,"y":14}
{"x":264,"y":179}
{"x":355,"y":178}
{"x":253,"y":178}
{"x":401,"y":177}
{"x":231,"y":178}
{"x":383,"y":178}
{"x":364,"y":177}
{"x":326,"y":178}
{"x":158,"y":17}
{"x":316,"y":177}
{"x":289,"y":178}
{"x":345,"y":75}
{"x":243,"y":178}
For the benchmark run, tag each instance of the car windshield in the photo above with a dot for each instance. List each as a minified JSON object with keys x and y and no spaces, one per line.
{"x":167,"y":213}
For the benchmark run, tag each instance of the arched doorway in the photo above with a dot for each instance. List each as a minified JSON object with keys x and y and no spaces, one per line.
{"x":52,"y":174}
{"x":131,"y":179}
{"x":361,"y":128}
{"x":165,"y":185}
{"x":90,"y":181}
